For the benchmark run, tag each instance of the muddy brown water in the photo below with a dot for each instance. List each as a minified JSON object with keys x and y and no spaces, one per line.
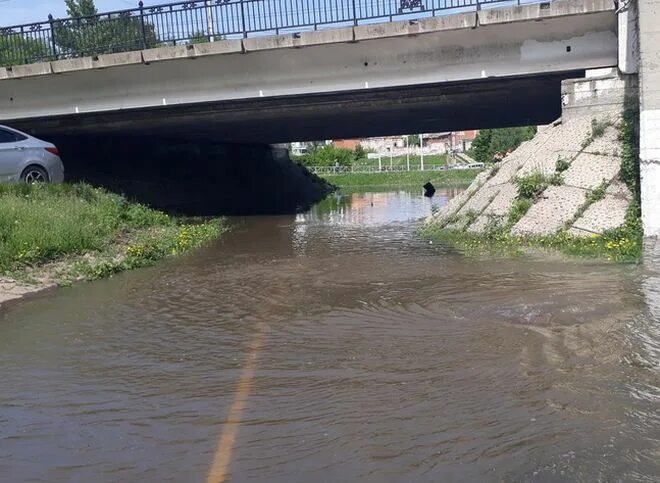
{"x":337,"y":346}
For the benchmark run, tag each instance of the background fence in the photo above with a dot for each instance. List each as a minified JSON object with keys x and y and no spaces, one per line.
{"x":206,"y":21}
{"x":387,"y":169}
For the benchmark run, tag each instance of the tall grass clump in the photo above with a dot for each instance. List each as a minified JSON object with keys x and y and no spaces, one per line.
{"x":43,"y":222}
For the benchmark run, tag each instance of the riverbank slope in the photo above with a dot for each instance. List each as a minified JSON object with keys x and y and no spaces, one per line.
{"x":54,"y":235}
{"x":572,"y":187}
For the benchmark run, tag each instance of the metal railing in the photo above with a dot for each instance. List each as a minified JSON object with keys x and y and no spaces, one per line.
{"x":206,"y":21}
{"x":389,"y":169}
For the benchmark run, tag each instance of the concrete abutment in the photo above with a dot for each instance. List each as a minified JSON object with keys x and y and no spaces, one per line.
{"x":649,"y":102}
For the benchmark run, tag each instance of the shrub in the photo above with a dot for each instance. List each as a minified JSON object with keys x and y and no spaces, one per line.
{"x":598,"y":127}
{"x":531,"y":185}
{"x":326,"y":156}
{"x":490,"y":142}
{"x":562,"y":165}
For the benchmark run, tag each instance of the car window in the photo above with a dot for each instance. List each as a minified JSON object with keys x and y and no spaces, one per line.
{"x":10,"y":137}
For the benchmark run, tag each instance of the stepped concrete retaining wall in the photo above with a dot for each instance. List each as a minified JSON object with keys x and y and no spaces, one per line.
{"x":587,"y":139}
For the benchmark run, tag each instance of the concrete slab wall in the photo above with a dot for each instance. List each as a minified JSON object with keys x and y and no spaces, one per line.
{"x":628,"y":32}
{"x":649,"y":83}
{"x":597,"y":94}
{"x":524,"y":40}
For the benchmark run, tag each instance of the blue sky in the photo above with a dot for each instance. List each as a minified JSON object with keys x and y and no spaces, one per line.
{"x":14,"y":12}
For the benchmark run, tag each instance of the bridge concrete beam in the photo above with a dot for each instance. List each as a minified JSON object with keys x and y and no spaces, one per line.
{"x":569,"y":36}
{"x":472,"y":104}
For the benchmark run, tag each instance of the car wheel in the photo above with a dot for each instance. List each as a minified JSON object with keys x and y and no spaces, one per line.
{"x":34,"y":174}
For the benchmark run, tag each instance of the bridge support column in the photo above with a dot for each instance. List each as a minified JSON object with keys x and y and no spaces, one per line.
{"x":649,"y":94}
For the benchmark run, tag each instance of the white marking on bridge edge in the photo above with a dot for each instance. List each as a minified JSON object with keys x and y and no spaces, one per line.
{"x":77,"y":110}
{"x":164,"y":102}
{"x":366,"y":84}
{"x":483,"y":74}
{"x":261,"y":93}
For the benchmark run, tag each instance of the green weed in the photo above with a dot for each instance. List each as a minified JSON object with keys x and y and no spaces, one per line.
{"x":42,"y":223}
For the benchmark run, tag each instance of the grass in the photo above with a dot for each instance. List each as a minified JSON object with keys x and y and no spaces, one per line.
{"x":598,"y":128}
{"x":401,"y":179}
{"x":40,"y":224}
{"x":621,"y":244}
{"x":519,"y":209}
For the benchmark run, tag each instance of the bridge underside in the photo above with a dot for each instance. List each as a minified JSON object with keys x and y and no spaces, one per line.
{"x":483,"y":103}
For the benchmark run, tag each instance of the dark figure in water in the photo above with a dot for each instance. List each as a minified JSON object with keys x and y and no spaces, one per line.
{"x":429,"y":190}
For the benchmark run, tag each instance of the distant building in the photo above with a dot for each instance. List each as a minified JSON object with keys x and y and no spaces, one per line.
{"x":347,"y":143}
{"x":462,"y":140}
{"x":459,"y":141}
{"x":384,"y":144}
{"x":434,"y":143}
{"x":300,"y":148}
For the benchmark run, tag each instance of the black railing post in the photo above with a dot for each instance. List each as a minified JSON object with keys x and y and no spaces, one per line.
{"x":53,"y":44}
{"x":355,"y":21}
{"x":243,"y":19}
{"x":144,"y":29}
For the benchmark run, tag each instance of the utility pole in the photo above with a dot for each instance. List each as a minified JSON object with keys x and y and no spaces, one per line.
{"x":209,"y":21}
{"x":407,"y":153}
{"x":421,"y":151}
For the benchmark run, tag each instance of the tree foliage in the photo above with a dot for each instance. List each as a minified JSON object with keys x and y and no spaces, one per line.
{"x":492,"y":142}
{"x":413,"y":140}
{"x":84,"y":34}
{"x":80,"y":8}
{"x":327,"y":154}
{"x":16,"y":50}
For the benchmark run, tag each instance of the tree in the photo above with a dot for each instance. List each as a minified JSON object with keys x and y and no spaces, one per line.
{"x":481,"y":150}
{"x":87,"y":34}
{"x":80,"y":8}
{"x":326,"y":156}
{"x":360,"y":153}
{"x":16,"y":49}
{"x":413,"y":140}
{"x":491,"y":142}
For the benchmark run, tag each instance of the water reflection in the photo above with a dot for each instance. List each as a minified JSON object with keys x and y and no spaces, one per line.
{"x":360,"y":208}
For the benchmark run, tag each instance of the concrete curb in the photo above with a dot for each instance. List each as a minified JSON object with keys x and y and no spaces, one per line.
{"x":407,"y":28}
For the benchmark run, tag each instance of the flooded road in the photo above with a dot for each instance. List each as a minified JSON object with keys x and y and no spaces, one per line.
{"x":337,"y":346}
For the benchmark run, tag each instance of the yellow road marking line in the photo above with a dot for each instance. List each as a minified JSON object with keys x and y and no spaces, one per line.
{"x":222,"y":458}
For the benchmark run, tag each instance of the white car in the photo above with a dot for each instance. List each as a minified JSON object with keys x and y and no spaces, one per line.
{"x":28,"y":159}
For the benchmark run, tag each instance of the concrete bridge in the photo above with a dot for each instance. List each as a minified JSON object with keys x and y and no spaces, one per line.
{"x":466,"y":70}
{"x":491,"y":67}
